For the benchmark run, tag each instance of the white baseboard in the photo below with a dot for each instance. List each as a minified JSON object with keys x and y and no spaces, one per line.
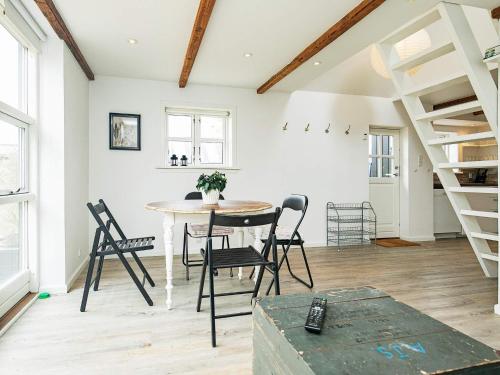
{"x":496,"y":309}
{"x":54,"y":288}
{"x":74,"y":276}
{"x":17,"y":316}
{"x":418,"y":238}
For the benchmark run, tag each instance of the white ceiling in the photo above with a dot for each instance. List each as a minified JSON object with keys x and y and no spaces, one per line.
{"x":274,"y":31}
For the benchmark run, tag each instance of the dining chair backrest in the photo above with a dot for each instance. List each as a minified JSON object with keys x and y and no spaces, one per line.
{"x":197,"y":195}
{"x":104,"y":226}
{"x":246,"y":221}
{"x":296,"y":202}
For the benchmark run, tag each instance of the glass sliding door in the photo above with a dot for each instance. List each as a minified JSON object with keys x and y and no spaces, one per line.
{"x":16,"y":97}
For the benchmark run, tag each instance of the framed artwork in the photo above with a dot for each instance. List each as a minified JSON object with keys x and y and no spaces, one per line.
{"x":124,"y":131}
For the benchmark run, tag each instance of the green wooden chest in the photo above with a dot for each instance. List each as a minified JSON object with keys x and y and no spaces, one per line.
{"x":365,"y":332}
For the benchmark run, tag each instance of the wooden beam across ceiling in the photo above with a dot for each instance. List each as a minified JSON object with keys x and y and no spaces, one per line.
{"x":50,"y":12}
{"x":363,"y":9}
{"x":453,"y":102}
{"x":495,"y":13}
{"x":200,"y":25}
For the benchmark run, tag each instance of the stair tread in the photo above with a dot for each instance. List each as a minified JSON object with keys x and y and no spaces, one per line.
{"x":485,"y":235}
{"x":436,"y":85}
{"x":425,"y":56}
{"x":412,"y":27}
{"x":490,"y":256}
{"x":474,"y":189}
{"x":470,"y":164}
{"x":461,"y":138}
{"x":493,"y":215}
{"x":452,"y":111}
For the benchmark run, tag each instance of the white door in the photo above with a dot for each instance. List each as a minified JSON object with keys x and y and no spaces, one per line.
{"x":383,"y":169}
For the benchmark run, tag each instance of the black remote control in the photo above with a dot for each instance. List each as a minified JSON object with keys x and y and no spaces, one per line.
{"x":316,"y":315}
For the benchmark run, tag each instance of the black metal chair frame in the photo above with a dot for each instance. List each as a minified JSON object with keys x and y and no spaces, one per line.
{"x":196,"y":195}
{"x":110,"y":246}
{"x":238,"y":257}
{"x":295,"y":202}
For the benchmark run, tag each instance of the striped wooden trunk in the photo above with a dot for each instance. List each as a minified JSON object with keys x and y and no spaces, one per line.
{"x":365,"y":332}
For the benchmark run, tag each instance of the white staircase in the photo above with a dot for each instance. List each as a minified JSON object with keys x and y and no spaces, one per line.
{"x":462,"y":44}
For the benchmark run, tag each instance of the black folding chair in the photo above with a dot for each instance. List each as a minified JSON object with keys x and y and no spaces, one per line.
{"x":238,"y":257}
{"x":201,"y":231}
{"x":286,"y":238}
{"x":110,"y":246}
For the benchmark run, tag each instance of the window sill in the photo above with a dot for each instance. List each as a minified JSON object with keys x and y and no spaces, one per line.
{"x":198,"y":168}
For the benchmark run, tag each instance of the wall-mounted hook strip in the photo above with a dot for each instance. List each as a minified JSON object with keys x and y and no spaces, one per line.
{"x":327,"y":130}
{"x":348,"y":130}
{"x":307,"y":127}
{"x":284,"y":127}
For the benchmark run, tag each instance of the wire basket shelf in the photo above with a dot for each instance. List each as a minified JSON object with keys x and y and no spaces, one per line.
{"x":350,"y":224}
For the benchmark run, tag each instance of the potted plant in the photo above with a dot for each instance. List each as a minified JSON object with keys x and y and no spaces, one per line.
{"x":211,"y":186}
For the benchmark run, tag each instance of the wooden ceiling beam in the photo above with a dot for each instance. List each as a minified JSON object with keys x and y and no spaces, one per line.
{"x":450,"y":103}
{"x":495,"y":13}
{"x":363,"y":9}
{"x":200,"y":25}
{"x":52,"y":15}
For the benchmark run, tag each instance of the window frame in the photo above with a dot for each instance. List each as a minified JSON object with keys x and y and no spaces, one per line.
{"x":379,"y":155}
{"x":23,"y":118}
{"x":228,"y":140}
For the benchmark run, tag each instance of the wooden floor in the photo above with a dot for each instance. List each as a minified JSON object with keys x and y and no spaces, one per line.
{"x":119,"y":333}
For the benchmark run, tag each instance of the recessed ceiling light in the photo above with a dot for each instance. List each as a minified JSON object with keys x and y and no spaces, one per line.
{"x":132,"y":41}
{"x":248,"y":54}
{"x":316,"y":63}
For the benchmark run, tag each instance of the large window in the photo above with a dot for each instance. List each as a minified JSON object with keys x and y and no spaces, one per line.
{"x":204,"y":137}
{"x":17,"y":96}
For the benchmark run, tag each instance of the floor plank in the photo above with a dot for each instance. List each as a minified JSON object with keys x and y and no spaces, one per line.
{"x":120,"y":333}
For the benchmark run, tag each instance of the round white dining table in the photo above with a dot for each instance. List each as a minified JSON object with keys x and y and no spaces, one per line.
{"x":194,"y":210}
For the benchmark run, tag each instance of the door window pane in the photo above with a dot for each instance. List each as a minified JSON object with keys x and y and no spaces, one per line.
{"x":10,"y":69}
{"x":10,"y":164}
{"x":373,"y":145}
{"x":10,"y":260}
{"x":387,"y":167}
{"x":179,"y":126}
{"x":180,"y":148}
{"x":211,"y":153}
{"x":387,"y":144}
{"x":373,"y":167}
{"x":212,"y":127}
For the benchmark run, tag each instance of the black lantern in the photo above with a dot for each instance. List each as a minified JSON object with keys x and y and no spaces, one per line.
{"x":184,"y":161}
{"x":173,"y":160}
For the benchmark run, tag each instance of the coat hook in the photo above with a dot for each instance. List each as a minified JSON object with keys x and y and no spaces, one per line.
{"x":348,"y":130}
{"x":327,"y":130}
{"x":307,"y":127}
{"x":284,"y":127}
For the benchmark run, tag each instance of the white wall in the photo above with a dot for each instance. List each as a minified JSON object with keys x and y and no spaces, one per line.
{"x":326,"y":167}
{"x":76,"y":165}
{"x":63,"y":167}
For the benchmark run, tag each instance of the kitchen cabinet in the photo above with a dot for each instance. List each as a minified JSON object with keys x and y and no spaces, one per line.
{"x":445,"y":219}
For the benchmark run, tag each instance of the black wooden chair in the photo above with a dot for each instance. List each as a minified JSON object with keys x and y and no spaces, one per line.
{"x":287,"y":238}
{"x":238,"y":257}
{"x":109,"y":246}
{"x":200,"y":231}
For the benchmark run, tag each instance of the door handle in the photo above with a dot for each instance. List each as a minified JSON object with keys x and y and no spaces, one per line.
{"x":395,"y":174}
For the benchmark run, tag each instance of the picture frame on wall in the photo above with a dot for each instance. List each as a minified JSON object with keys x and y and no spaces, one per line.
{"x":124,"y":131}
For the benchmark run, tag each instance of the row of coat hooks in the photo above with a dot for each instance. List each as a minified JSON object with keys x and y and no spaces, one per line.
{"x":327,"y":130}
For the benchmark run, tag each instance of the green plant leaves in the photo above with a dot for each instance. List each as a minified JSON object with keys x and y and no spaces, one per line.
{"x":215,"y":181}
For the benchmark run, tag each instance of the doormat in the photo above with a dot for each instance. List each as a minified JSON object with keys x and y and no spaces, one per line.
{"x":395,"y":242}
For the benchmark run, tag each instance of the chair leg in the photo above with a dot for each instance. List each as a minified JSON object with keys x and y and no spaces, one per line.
{"x":276,"y":271}
{"x":251,"y":273}
{"x":311,"y":283}
{"x":134,"y":278}
{"x":212,"y":296}
{"x":185,"y":251}
{"x":202,"y":282}
{"x":100,"y":265}
{"x":229,"y":248}
{"x":88,"y":281}
{"x":143,"y":269}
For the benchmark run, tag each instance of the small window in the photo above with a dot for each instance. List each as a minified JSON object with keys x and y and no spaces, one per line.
{"x":203,"y":136}
{"x":381,"y":156}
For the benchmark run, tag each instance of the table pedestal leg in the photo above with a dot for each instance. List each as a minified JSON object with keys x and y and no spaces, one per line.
{"x":168,"y":242}
{"x":258,"y":245}
{"x":241,"y":235}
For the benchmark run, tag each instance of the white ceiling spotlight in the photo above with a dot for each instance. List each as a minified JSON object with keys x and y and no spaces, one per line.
{"x":132,"y":41}
{"x":248,"y":54}
{"x":317,"y":63}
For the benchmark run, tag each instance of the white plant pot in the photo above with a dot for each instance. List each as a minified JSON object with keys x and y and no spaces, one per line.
{"x":211,"y":197}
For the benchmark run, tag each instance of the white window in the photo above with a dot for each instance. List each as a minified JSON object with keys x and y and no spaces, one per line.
{"x":17,"y":92}
{"x":381,"y":159}
{"x":204,"y":137}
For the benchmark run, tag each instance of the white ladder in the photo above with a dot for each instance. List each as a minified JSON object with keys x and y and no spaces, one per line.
{"x":461,"y":41}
